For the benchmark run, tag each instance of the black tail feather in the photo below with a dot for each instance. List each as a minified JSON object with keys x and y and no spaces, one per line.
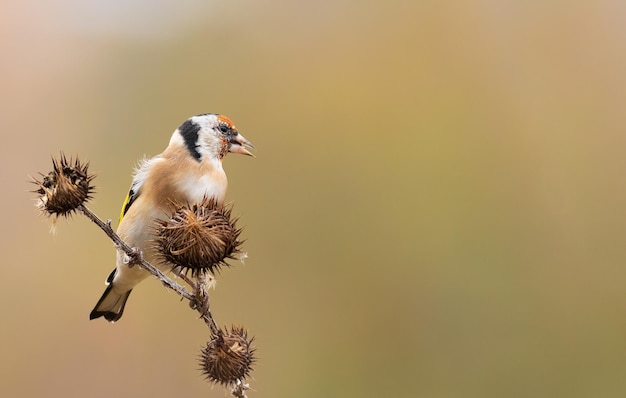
{"x":111,"y":304}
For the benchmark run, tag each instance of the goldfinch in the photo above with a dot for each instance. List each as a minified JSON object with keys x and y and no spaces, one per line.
{"x":187,"y":171}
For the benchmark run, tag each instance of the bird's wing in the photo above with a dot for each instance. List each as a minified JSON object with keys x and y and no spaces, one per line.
{"x":141,"y":174}
{"x":130,"y":199}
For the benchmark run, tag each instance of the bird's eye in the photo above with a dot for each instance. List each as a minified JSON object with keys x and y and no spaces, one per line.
{"x":224,"y":128}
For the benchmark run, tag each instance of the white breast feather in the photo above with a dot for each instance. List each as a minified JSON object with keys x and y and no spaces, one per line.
{"x":205,"y":186}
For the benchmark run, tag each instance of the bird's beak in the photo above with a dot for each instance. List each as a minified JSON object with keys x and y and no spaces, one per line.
{"x":238,"y":144}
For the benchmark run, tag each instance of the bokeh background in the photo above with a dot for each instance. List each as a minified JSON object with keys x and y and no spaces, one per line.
{"x":436,"y":208}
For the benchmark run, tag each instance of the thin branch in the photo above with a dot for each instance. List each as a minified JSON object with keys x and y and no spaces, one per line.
{"x":202,"y":296}
{"x":132,"y":253}
{"x":180,"y":274}
{"x":239,"y":389}
{"x":199,"y":301}
{"x":68,"y":187}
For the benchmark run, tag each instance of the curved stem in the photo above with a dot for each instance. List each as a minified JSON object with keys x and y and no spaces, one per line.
{"x":132,"y":253}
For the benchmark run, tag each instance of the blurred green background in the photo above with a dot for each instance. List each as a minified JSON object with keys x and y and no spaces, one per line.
{"x":435,"y":210}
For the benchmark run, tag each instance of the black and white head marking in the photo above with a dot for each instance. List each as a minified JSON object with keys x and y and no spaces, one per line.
{"x":211,"y":136}
{"x":189,"y":130}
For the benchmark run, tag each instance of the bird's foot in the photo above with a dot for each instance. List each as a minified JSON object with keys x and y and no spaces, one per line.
{"x":134,"y":258}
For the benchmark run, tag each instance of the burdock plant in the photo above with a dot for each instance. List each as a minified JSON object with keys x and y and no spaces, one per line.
{"x":196,"y":240}
{"x":65,"y":189}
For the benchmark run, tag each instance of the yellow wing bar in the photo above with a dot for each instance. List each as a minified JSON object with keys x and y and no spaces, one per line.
{"x":130,"y":198}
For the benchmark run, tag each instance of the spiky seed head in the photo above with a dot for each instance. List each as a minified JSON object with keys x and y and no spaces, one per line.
{"x":65,"y":188}
{"x":228,"y":356}
{"x":198,"y":238}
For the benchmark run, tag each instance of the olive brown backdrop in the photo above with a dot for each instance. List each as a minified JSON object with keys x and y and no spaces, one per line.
{"x":436,"y":208}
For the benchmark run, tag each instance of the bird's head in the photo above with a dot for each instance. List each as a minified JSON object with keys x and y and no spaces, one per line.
{"x":211,"y":136}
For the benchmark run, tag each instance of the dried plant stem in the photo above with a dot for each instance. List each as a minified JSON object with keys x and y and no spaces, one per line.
{"x":132,"y":253}
{"x":196,"y":239}
{"x":199,"y":300}
{"x":185,"y":278}
{"x":205,"y":310}
{"x":239,"y":389}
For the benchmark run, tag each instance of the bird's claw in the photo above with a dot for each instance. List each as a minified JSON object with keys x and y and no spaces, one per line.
{"x":134,"y":257}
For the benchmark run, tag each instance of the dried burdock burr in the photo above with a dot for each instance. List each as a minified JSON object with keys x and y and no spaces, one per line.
{"x":198,"y":238}
{"x":64,"y":189}
{"x":228,"y":357}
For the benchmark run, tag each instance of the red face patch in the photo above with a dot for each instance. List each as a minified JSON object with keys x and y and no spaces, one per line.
{"x":226,"y":120}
